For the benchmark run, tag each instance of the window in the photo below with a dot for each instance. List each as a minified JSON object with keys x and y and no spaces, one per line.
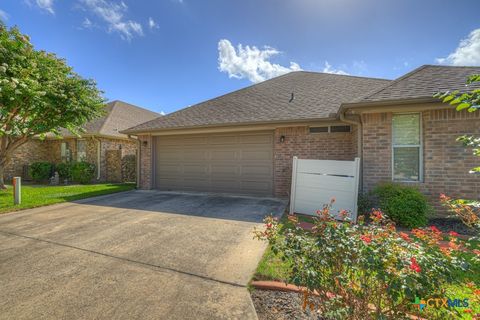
{"x":318,"y":129}
{"x":340,"y":129}
{"x":65,"y":152}
{"x":81,"y":150}
{"x":329,"y":129}
{"x":407,"y":147}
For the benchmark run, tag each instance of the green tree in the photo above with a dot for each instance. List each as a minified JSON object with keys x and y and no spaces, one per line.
{"x":39,"y":94}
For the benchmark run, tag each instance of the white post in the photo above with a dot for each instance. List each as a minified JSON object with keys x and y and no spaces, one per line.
{"x":17,"y":190}
{"x":357,"y":183}
{"x":294,"y":185}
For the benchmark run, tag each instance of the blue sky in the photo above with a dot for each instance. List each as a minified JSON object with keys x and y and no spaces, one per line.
{"x":168,"y":54}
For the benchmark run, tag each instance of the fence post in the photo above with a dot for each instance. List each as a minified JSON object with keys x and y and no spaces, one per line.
{"x":17,"y":190}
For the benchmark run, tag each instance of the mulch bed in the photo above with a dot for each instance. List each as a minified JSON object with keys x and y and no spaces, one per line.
{"x":280,"y":305}
{"x":452,"y":224}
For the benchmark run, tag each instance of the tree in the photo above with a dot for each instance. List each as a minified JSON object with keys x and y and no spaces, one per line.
{"x":39,"y":94}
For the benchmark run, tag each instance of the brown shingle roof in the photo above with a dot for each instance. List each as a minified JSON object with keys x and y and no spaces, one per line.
{"x":423,"y":82}
{"x":315,"y":96}
{"x":118,"y":116}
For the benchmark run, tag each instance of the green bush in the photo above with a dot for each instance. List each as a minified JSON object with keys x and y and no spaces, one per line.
{"x":40,"y":171}
{"x":405,"y":205}
{"x":83,"y":172}
{"x":64,"y":170}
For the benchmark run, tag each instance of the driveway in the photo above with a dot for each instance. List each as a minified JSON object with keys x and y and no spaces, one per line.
{"x":134,"y":255}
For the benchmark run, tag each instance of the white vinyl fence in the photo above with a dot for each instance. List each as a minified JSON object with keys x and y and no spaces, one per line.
{"x":316,"y":182}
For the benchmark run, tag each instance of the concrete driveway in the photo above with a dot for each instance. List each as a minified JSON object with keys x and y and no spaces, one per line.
{"x":134,"y":255}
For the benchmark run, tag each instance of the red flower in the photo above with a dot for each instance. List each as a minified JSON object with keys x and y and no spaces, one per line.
{"x":453,"y":234}
{"x":414,"y":265}
{"x":405,"y":236}
{"x":435,"y":229}
{"x":366,"y":239}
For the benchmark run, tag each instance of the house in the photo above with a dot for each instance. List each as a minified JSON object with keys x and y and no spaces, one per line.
{"x":243,"y":142}
{"x":101,"y":144}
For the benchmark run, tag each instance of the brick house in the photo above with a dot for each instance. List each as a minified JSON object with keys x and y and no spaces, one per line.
{"x":101,"y":144}
{"x":243,"y":142}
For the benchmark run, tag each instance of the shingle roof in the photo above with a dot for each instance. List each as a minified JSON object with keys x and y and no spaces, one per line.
{"x":423,"y":82}
{"x":315,"y":96}
{"x":118,"y":116}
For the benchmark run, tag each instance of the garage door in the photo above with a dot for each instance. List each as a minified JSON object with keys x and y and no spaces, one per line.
{"x":231,"y":163}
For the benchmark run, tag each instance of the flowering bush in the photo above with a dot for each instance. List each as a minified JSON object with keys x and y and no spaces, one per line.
{"x":358,"y":271}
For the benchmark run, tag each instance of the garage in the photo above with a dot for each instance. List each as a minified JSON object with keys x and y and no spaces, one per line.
{"x":240,"y":163}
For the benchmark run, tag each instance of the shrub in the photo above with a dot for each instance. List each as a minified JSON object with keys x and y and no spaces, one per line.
{"x":405,"y":205}
{"x":64,"y":170}
{"x":40,"y":171}
{"x":357,"y":271}
{"x":83,"y":172}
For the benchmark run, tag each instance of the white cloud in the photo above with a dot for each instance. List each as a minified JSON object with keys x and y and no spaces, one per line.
{"x":3,"y":15}
{"x":113,"y":14}
{"x":250,"y":62}
{"x":467,"y":53}
{"x":162,"y":113}
{"x":46,"y":5}
{"x":328,"y":69}
{"x":87,"y":24}
{"x":152,"y":24}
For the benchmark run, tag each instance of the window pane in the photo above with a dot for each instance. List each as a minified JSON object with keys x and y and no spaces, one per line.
{"x":81,"y":150}
{"x":406,"y":164}
{"x":406,"y":129}
{"x":340,"y":129}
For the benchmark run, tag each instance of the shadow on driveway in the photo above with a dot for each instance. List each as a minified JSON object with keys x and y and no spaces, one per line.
{"x":209,"y":205}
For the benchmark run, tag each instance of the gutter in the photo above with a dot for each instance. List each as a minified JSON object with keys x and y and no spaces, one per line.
{"x":99,"y":156}
{"x":359,"y":125}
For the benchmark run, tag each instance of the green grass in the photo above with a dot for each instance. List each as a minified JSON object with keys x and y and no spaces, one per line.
{"x":43,"y":195}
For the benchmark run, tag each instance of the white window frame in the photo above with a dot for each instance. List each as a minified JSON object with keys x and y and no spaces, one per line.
{"x":78,"y":156}
{"x":419,"y":146}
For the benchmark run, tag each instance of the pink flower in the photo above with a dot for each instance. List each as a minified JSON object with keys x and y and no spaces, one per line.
{"x":405,"y":236}
{"x":435,"y":229}
{"x":365,"y":238}
{"x":414,"y":265}
{"x":453,"y":234}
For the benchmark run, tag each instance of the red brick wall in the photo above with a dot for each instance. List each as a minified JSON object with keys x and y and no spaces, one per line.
{"x":31,"y":151}
{"x":446,"y":161}
{"x":303,"y":144}
{"x":146,"y":159}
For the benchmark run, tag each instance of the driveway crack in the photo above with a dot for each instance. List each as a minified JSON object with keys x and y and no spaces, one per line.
{"x":145,"y":264}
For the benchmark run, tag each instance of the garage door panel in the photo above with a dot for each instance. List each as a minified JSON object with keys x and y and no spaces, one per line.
{"x":223,"y":155}
{"x":259,"y":154}
{"x":256,"y":139}
{"x":233,"y":163}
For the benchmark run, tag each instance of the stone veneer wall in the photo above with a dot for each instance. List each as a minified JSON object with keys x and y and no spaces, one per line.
{"x":303,"y":144}
{"x":446,"y":161}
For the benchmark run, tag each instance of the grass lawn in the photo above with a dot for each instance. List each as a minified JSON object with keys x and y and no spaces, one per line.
{"x":42,"y":195}
{"x":271,"y":267}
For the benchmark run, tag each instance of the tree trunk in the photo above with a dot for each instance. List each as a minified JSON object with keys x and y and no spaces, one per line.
{"x":2,"y":171}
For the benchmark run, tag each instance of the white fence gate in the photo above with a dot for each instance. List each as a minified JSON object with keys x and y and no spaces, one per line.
{"x":316,"y":182}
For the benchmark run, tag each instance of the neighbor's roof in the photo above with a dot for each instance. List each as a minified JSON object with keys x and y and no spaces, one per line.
{"x":315,"y":96}
{"x":118,"y":116}
{"x":423,"y":82}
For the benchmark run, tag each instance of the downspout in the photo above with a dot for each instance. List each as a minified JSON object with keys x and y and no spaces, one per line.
{"x":99,"y":159}
{"x":137,"y":171}
{"x":358,"y":123}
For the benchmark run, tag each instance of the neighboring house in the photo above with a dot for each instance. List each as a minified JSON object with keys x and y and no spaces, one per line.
{"x":243,"y":142}
{"x":101,"y":144}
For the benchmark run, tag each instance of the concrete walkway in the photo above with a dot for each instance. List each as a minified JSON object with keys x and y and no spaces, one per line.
{"x":135,"y":255}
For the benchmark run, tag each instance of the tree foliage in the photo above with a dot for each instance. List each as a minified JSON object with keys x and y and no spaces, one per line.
{"x":39,"y":94}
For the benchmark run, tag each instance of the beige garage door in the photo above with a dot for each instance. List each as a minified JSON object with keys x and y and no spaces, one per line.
{"x":230,"y":163}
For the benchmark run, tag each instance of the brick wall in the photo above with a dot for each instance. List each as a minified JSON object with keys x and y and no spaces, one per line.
{"x":303,"y":144}
{"x":127,"y":147}
{"x":31,"y":151}
{"x":446,"y":162}
{"x":146,"y":159}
